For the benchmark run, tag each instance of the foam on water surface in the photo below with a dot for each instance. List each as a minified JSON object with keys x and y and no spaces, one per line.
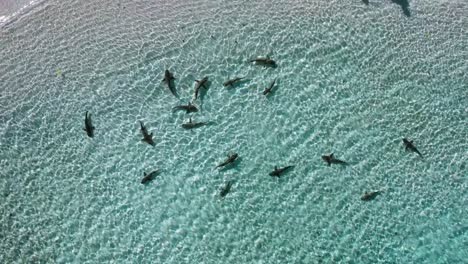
{"x":351,"y":79}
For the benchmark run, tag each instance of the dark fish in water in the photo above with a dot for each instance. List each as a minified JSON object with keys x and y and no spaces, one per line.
{"x":200,"y":83}
{"x":149,"y":177}
{"x":148,"y":138}
{"x":231,"y":82}
{"x":329,"y":159}
{"x":192,"y":124}
{"x":269,"y":88}
{"x":168,"y":79}
{"x":367,"y":196}
{"x":189,"y":108}
{"x":226,"y":189}
{"x":409,"y":146}
{"x":404,"y":4}
{"x":230,"y":159}
{"x":89,"y":128}
{"x":264,"y":61}
{"x":278,"y":171}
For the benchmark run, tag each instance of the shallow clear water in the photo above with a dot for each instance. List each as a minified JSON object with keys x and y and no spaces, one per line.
{"x":12,"y":9}
{"x":352,"y":79}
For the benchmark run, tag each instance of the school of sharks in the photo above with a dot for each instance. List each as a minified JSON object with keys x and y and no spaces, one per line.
{"x":231,"y":159}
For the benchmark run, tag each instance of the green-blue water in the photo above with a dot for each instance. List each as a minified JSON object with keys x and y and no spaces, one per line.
{"x":352,"y":79}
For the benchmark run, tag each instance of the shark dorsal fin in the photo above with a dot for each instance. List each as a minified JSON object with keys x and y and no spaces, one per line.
{"x":331,"y":155}
{"x":276,"y":168}
{"x":144,"y":174}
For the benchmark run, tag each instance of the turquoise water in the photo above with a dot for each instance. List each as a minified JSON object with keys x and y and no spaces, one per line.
{"x":351,"y":79}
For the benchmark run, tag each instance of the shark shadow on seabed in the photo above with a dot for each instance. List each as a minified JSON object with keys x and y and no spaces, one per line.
{"x":201,"y":90}
{"x":271,"y":89}
{"x":233,"y":165}
{"x":237,"y":84}
{"x":171,"y":84}
{"x":169,"y":80}
{"x":404,"y":4}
